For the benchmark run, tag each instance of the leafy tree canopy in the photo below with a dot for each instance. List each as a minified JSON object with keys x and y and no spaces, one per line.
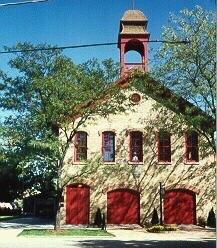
{"x":189,"y":69}
{"x":52,"y":96}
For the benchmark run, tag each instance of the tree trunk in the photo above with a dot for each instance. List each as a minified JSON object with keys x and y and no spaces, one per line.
{"x":57,"y":225}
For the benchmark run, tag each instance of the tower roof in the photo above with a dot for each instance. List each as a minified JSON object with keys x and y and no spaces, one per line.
{"x":133,"y":22}
{"x":134,"y":15}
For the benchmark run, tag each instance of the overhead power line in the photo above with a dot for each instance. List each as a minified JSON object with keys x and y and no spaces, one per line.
{"x":21,"y":3}
{"x":83,"y":46}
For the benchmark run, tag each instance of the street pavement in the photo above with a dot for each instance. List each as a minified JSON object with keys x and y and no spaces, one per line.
{"x":124,"y":238}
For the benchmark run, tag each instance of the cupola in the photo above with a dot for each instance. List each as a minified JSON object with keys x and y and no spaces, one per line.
{"x":133,"y":36}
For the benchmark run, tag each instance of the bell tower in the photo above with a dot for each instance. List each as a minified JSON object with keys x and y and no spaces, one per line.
{"x":133,"y":36}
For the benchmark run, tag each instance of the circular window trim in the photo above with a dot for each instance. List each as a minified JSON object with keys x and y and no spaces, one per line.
{"x":135,"y":98}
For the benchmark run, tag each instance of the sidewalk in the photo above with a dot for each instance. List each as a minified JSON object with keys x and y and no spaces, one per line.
{"x":125,"y":237}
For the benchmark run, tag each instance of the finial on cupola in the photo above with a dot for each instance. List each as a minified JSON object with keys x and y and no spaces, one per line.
{"x":133,"y":4}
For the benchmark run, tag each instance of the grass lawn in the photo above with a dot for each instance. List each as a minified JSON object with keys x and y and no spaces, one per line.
{"x":64,"y":232}
{"x":3,"y":218}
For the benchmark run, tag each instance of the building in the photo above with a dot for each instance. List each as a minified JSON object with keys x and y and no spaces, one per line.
{"x":138,"y":150}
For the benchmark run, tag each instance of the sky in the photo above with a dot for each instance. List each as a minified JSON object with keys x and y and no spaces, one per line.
{"x":76,"y":22}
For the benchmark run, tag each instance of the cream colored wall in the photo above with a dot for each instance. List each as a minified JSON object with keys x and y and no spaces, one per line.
{"x":121,"y":174}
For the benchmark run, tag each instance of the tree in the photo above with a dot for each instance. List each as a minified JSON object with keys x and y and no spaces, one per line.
{"x":51,"y":98}
{"x":187,"y":69}
{"x":9,"y":173}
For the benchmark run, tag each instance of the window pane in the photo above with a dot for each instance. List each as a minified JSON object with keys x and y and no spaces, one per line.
{"x":108,"y":148}
{"x":81,"y":146}
{"x":136,"y":147}
{"x":192,"y":153}
{"x":164,"y":147}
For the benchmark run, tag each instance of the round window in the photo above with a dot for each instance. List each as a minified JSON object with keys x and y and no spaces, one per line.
{"x":135,"y":98}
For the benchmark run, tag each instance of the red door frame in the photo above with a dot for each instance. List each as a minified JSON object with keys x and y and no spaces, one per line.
{"x":77,"y":186}
{"x":192,"y":193}
{"x":126,"y":190}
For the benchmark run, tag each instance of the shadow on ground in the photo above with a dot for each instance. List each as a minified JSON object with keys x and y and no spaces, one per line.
{"x":150,"y":243}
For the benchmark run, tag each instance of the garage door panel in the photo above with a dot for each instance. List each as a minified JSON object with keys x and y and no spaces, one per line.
{"x":179,"y":207}
{"x":123,"y":207}
{"x":77,"y":204}
{"x":71,"y":208}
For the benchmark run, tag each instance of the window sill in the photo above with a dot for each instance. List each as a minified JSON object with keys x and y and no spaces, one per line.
{"x":164,"y":163}
{"x":191,"y":163}
{"x":135,"y":163}
{"x":104,"y":162}
{"x":81,"y":163}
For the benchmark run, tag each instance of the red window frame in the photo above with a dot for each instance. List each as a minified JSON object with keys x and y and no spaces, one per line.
{"x":164,"y":147}
{"x":108,"y":145}
{"x":136,"y":146}
{"x":80,"y":146}
{"x":191,"y":147}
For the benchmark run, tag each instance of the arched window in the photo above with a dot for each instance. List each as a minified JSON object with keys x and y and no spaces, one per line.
{"x":80,"y":146}
{"x":136,"y":146}
{"x":164,"y":147}
{"x":191,"y":147}
{"x":133,"y":57}
{"x":108,"y":146}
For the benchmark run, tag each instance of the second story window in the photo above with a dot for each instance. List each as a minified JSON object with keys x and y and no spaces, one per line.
{"x":80,"y":146}
{"x":108,"y":146}
{"x":136,"y":146}
{"x":191,"y":147}
{"x":164,"y":147}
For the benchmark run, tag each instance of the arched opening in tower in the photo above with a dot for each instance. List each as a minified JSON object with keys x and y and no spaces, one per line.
{"x":133,"y":57}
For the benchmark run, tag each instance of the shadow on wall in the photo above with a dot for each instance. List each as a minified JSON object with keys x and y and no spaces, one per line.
{"x":103,"y":177}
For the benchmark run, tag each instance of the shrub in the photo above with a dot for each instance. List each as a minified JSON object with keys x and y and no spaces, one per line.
{"x":201,"y":221}
{"x":159,"y":228}
{"x":98,"y":218}
{"x":154,"y":219}
{"x":169,"y":228}
{"x":156,"y":229}
{"x":211,"y":220}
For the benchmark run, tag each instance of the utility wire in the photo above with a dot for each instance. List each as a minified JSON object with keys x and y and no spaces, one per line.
{"x":24,"y":2}
{"x":84,"y":45}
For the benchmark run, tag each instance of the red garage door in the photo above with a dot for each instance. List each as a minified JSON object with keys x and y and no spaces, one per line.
{"x":123,"y":207}
{"x":180,"y":207}
{"x":77,"y":204}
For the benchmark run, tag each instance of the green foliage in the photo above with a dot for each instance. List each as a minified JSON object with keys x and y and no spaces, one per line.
{"x":189,"y":69}
{"x":170,"y":228}
{"x":51,"y":97}
{"x":154,"y":219}
{"x":156,"y":229}
{"x":159,"y":228}
{"x":211,"y":220}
